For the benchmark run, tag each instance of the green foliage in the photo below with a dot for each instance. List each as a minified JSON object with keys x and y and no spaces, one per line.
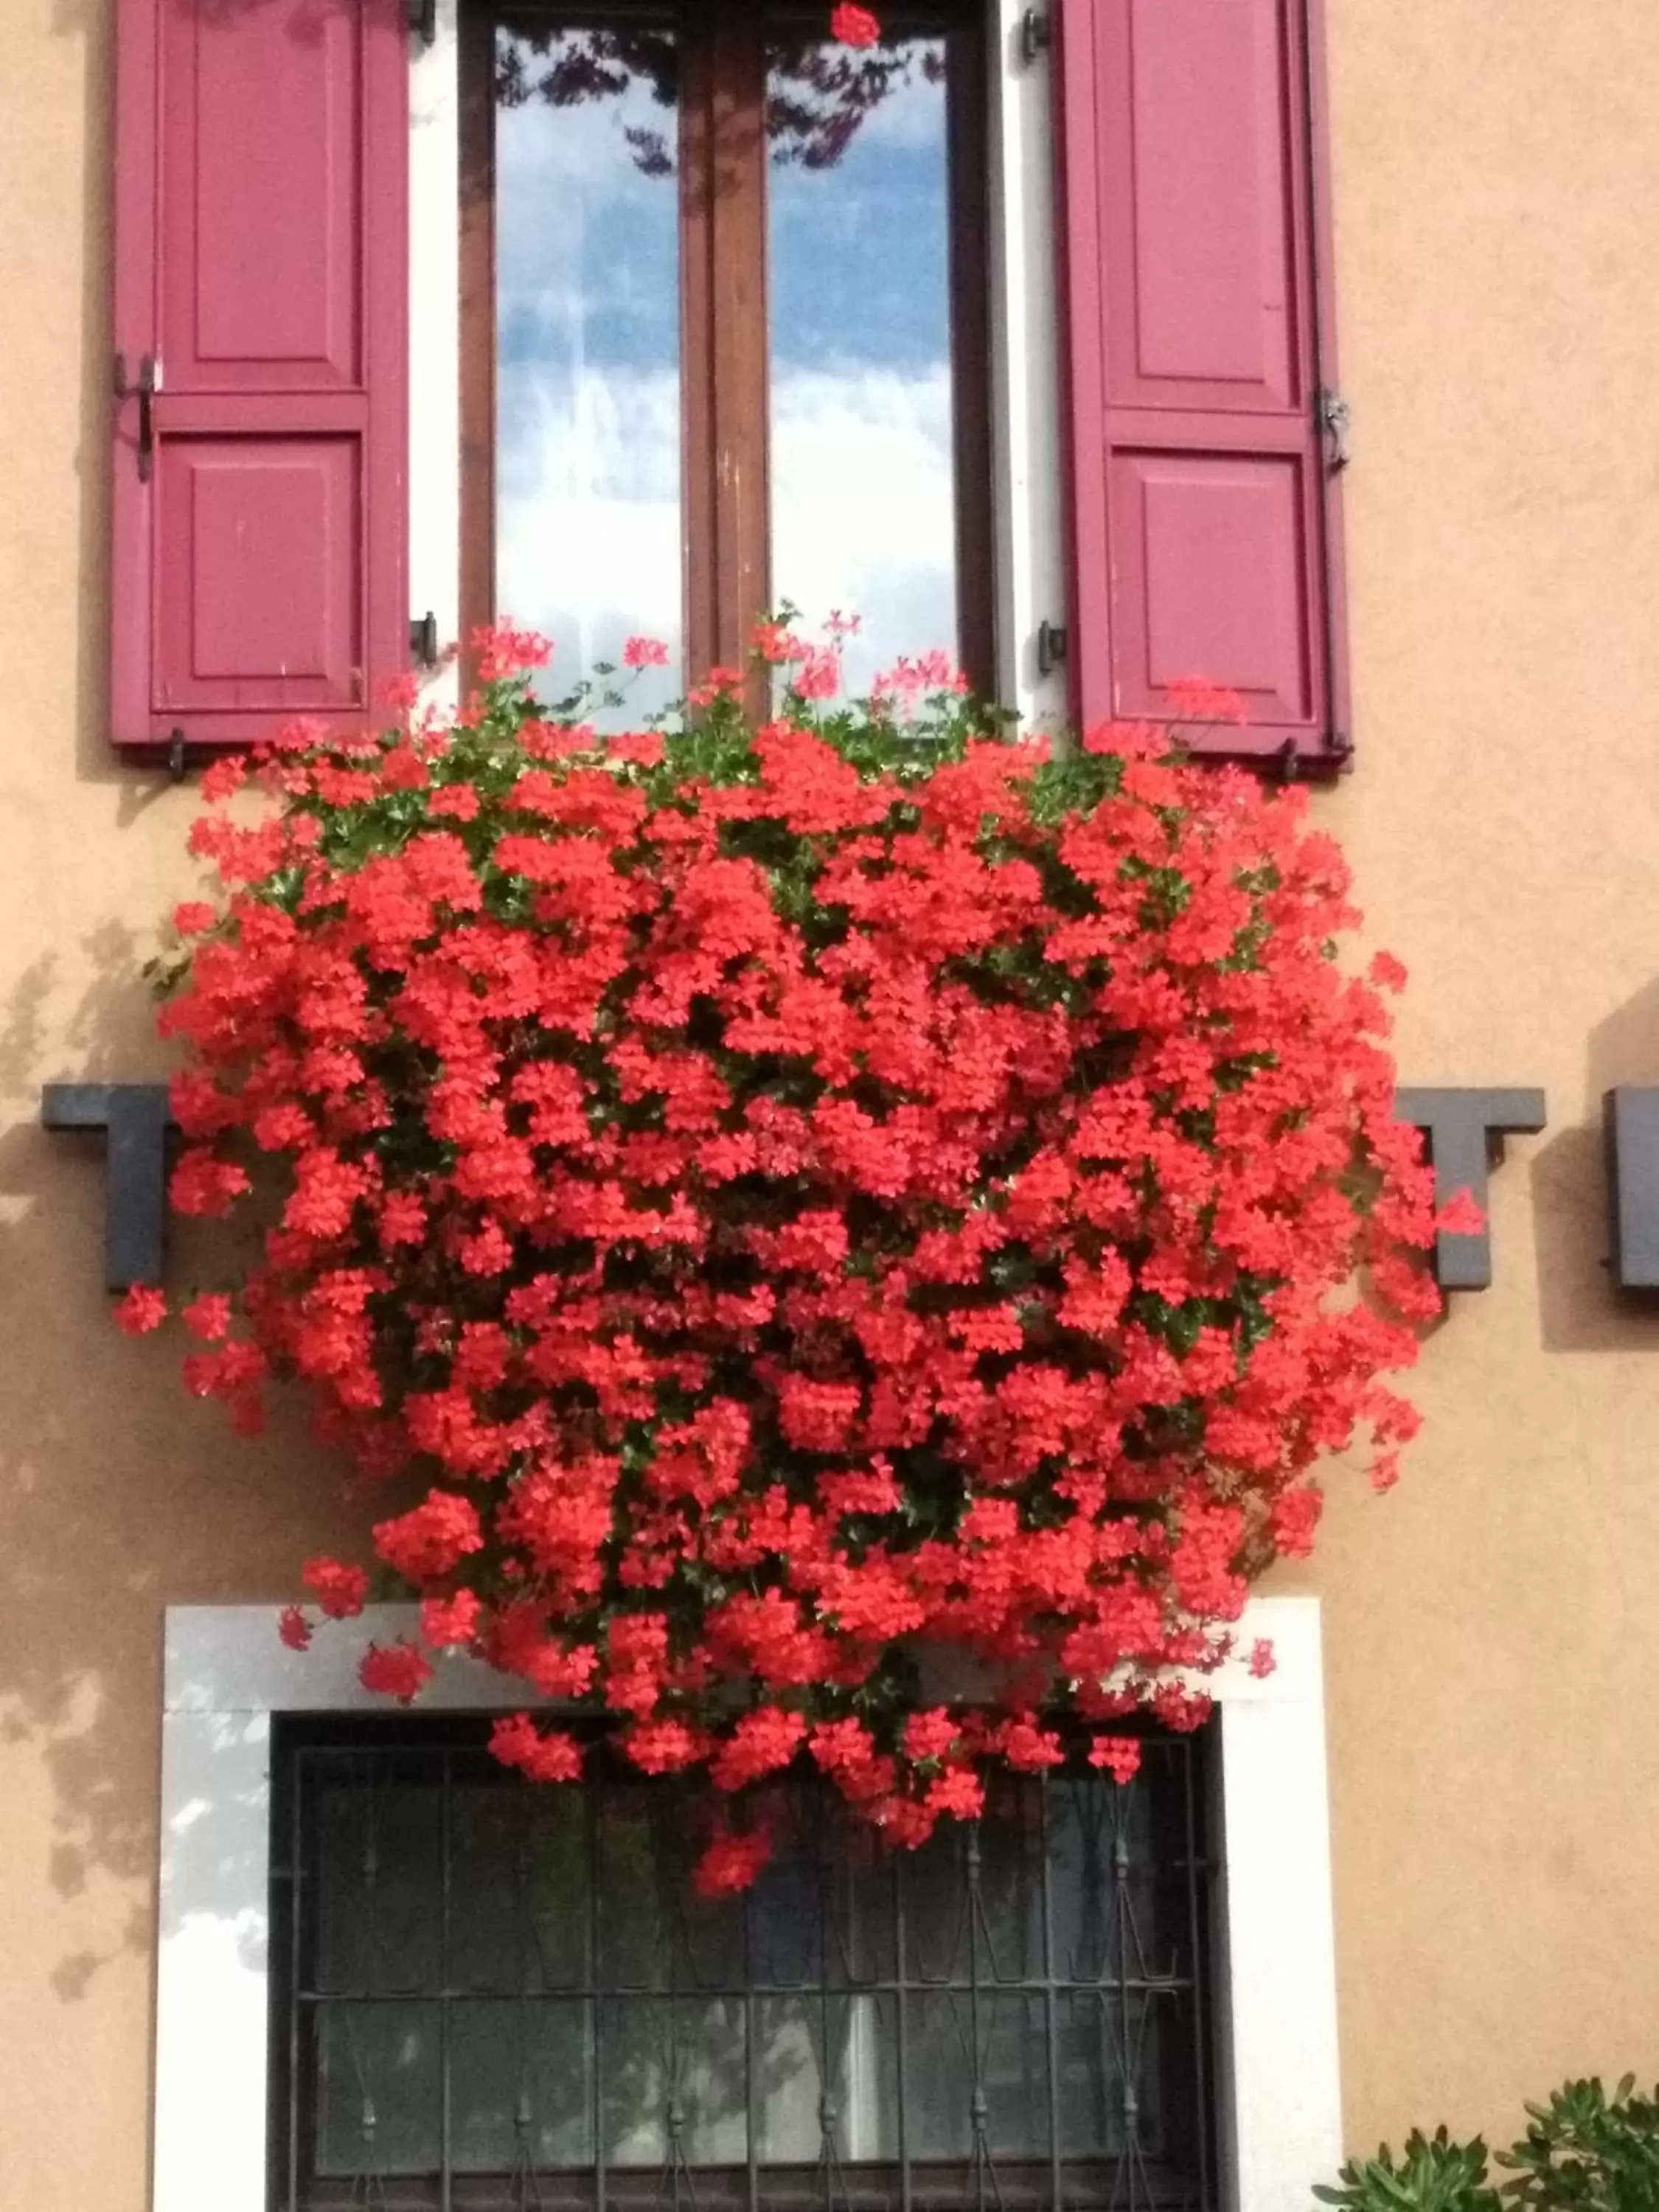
{"x":1434,"y":2175}
{"x":1584,"y":2152}
{"x":1588,"y":2152}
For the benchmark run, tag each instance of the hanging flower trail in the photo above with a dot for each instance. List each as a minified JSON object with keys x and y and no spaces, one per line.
{"x":769,"y":1209}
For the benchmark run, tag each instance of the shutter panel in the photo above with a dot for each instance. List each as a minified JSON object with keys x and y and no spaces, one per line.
{"x":262,"y":268}
{"x":1203,"y":510}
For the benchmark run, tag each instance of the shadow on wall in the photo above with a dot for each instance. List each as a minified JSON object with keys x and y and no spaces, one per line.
{"x":118,"y":1494}
{"x":1580,"y":1310}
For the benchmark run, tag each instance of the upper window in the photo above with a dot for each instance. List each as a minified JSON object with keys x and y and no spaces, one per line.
{"x":492,"y":1994}
{"x":724,"y":329}
{"x":724,"y":336}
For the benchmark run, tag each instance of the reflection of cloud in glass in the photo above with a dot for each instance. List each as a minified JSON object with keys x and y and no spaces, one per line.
{"x":909,"y":114}
{"x":863,"y":480}
{"x":588,"y":517}
{"x":860,"y":253}
{"x":589,"y":535}
{"x":589,"y":532}
{"x":588,"y":396}
{"x":863,"y":508}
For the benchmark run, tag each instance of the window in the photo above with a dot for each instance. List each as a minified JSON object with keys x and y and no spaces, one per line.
{"x":222,"y":2023}
{"x":496,"y":1995}
{"x":724,"y":327}
{"x":623,"y":375}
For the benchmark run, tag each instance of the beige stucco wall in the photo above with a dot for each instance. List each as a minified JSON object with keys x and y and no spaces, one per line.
{"x":1493,"y":1626}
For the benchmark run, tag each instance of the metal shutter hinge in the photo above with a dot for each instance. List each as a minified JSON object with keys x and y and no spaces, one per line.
{"x":1050,"y":648}
{"x":1036,"y":34}
{"x":144,"y":387}
{"x":1335,"y":420}
{"x":423,"y":639}
{"x":423,"y":21}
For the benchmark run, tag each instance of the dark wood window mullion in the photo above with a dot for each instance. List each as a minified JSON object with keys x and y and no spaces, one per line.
{"x":477,"y":71}
{"x":724,"y":332}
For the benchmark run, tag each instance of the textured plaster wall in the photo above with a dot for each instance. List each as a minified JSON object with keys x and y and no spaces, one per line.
{"x":116,"y":1494}
{"x":1494,"y":1624}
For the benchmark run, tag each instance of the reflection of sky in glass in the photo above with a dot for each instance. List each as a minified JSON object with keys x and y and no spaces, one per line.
{"x":863,"y":495}
{"x":587,"y":492}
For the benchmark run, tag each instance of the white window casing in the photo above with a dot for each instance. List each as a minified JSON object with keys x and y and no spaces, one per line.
{"x":434,"y":343}
{"x":226,"y":1672}
{"x":1025,"y":371}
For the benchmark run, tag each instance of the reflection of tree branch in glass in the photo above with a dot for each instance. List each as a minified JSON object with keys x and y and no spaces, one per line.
{"x":819,"y":96}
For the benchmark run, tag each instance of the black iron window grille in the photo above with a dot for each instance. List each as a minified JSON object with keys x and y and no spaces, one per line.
{"x":488,"y":1995}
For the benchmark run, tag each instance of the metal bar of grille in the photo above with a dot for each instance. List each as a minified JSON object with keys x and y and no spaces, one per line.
{"x":1198,"y":1869}
{"x":446,"y":1846}
{"x":750,"y":2106}
{"x":763,"y":2057}
{"x":901,"y":2006}
{"x":297,"y":1900}
{"x":595,"y":1929}
{"x":1051,"y":2001}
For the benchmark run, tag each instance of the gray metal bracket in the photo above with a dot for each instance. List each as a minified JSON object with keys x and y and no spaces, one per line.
{"x":135,"y":1120}
{"x":1465,"y":1131}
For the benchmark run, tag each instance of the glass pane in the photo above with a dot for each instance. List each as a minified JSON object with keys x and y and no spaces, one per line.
{"x":378,"y":1858}
{"x":587,"y":441}
{"x":519,"y":1906}
{"x":837,"y":2055}
{"x":822,"y":1909}
{"x":1012,"y":2071}
{"x":654,"y":1931}
{"x":949,"y":1937}
{"x":862,"y":468}
{"x":775,"y":2012}
{"x":379,"y":2088}
{"x":521,"y":2084}
{"x":675,"y":2079}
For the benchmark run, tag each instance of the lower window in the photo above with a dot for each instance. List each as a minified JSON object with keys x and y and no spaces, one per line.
{"x":487,"y":1994}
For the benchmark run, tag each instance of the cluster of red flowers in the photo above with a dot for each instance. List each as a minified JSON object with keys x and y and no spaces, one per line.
{"x":854,"y":27}
{"x":769,"y":1206}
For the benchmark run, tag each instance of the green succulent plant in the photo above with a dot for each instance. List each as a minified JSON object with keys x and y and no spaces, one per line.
{"x":1585,"y":2151}
{"x":1588,"y":2152}
{"x":1434,"y":2174}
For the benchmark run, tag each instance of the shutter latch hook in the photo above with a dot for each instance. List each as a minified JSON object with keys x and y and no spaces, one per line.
{"x":1336,"y":422}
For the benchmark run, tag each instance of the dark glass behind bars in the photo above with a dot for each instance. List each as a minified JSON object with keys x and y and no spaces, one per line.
{"x":493,"y":1994}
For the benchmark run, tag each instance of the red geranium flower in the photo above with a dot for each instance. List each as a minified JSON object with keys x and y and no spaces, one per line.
{"x":143,"y":1308}
{"x":854,"y":27}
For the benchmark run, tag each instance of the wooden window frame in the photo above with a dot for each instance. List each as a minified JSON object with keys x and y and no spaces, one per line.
{"x":725,"y":499}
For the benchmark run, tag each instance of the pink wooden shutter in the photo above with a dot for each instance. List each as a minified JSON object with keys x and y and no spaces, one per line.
{"x":1203,"y":510}
{"x":261,"y":282}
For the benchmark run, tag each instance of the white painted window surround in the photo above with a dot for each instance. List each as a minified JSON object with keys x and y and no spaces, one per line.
{"x":1030,"y":583}
{"x":226,"y":1672}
